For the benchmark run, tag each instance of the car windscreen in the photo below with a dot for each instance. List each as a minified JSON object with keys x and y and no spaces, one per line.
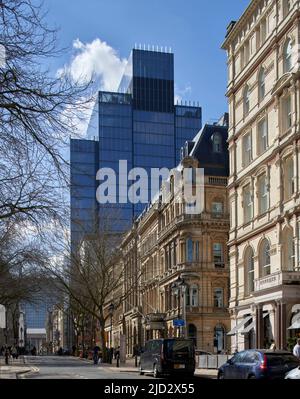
{"x":174,"y":347}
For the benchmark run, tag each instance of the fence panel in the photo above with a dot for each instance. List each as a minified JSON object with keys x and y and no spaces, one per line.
{"x":212,"y":361}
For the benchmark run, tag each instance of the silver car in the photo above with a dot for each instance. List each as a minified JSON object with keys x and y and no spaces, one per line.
{"x":293,"y":374}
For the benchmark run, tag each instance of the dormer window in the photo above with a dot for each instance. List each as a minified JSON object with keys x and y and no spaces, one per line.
{"x":217,"y":143}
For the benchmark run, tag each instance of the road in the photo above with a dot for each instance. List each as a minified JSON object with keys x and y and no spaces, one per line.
{"x":56,"y":367}
{"x":67,"y":367}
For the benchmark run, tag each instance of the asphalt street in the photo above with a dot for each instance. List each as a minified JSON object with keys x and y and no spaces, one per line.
{"x":56,"y":367}
{"x":68,"y":367}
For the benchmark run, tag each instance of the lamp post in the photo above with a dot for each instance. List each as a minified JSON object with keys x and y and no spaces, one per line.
{"x":179,"y":287}
{"x":21,"y":338}
{"x":111,"y":309}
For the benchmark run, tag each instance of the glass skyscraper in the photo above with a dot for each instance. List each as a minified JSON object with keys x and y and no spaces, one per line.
{"x":139,"y":124}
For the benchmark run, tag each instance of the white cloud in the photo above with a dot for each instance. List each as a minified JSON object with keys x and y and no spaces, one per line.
{"x":181,"y":93}
{"x":98,"y":61}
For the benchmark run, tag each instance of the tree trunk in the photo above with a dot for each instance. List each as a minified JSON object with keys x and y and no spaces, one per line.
{"x":103,"y":339}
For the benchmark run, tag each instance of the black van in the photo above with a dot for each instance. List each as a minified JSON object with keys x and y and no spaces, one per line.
{"x":168,"y":356}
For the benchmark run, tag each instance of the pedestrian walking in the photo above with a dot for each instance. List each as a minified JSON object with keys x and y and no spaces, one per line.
{"x":74,"y":350}
{"x":7,"y":355}
{"x":96,"y":351}
{"x":111,"y":354}
{"x":296,"y":350}
{"x":14,"y":352}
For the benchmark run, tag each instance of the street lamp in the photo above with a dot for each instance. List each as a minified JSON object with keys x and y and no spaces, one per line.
{"x":21,"y":340}
{"x":111,"y":309}
{"x":179,"y":287}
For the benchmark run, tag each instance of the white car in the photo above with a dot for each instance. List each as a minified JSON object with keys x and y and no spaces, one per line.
{"x":293,"y":374}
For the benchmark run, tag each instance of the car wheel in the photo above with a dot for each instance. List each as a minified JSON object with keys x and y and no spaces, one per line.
{"x":251,"y":377}
{"x":156,"y":373}
{"x":220,"y":375}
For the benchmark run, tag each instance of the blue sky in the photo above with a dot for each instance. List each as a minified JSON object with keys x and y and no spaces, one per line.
{"x":194,"y":29}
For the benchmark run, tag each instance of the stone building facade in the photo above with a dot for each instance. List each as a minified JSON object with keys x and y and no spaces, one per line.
{"x":264,"y":182}
{"x":177,"y":262}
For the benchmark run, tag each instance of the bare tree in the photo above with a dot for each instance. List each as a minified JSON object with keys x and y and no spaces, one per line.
{"x":20,"y":273}
{"x":92,"y":275}
{"x":37,"y":114}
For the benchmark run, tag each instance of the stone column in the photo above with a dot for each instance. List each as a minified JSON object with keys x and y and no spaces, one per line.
{"x":283,"y":325}
{"x":259,"y":327}
{"x":278,"y":325}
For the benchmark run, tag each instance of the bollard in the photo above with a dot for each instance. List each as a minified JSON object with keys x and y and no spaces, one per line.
{"x":118,"y":361}
{"x":136,"y":361}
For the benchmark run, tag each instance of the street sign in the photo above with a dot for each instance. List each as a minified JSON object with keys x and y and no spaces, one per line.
{"x":178,"y":323}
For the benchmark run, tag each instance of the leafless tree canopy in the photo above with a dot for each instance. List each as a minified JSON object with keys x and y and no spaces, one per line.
{"x":36,"y":115}
{"x":20,"y":272}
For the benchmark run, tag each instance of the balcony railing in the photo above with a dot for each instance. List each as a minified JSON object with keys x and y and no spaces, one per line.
{"x":277,"y":279}
{"x":216,"y":181}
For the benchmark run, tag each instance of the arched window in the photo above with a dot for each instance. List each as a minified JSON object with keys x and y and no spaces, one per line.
{"x":217,"y":142}
{"x":288,"y":259}
{"x":261,"y":84}
{"x":246,"y":98}
{"x":219,"y":338}
{"x":287,"y":56}
{"x":192,"y":333}
{"x":249,"y":271}
{"x":264,"y":258}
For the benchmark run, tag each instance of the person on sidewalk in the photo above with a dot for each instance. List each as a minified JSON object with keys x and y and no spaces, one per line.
{"x":74,"y":350}
{"x":296,"y":350}
{"x":7,"y":355}
{"x":96,"y":351}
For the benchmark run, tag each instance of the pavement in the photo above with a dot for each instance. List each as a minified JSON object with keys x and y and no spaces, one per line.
{"x":68,"y":367}
{"x":16,"y":368}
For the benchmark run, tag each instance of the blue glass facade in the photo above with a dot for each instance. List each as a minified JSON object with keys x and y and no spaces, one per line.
{"x":140,"y":124}
{"x":36,"y":313}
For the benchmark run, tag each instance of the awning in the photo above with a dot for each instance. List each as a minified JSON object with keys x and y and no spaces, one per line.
{"x":295,"y":322}
{"x":252,"y":325}
{"x":155,"y":325}
{"x":239,"y":326}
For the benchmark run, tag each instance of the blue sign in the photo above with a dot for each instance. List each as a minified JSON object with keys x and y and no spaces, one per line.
{"x":178,"y":323}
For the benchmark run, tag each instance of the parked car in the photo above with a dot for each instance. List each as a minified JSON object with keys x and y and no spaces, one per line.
{"x":168,"y":356}
{"x":293,"y":374}
{"x":258,"y":364}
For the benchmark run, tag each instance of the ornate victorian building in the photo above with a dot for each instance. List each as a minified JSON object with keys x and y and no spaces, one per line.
{"x":177,"y":262}
{"x":264,"y":142}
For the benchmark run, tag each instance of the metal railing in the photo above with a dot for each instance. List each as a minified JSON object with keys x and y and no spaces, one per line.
{"x":212,"y":361}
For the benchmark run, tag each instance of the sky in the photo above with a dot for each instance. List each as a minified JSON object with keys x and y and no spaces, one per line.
{"x":99,"y":35}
